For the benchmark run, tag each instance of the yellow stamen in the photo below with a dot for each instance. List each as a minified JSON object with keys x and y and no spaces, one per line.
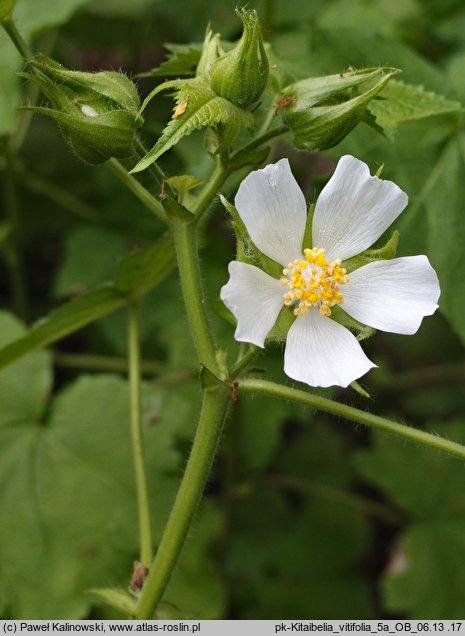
{"x":314,"y":282}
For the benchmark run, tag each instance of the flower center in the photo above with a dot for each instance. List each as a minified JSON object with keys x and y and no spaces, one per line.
{"x":314,"y":282}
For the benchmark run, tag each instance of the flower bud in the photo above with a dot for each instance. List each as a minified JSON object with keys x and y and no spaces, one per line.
{"x":321,"y":111}
{"x":209,"y":55}
{"x":241,"y":75}
{"x":97,"y":112}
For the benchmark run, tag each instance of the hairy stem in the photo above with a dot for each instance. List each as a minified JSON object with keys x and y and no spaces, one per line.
{"x":194,"y":298}
{"x":213,"y":412}
{"x":350,"y":413}
{"x":143,"y":504}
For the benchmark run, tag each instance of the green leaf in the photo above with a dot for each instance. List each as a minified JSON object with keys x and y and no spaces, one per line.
{"x":136,"y":275}
{"x":182,"y":60}
{"x":67,"y":482}
{"x":102,"y":247}
{"x":197,"y":107}
{"x":33,"y":373}
{"x":272,"y":572}
{"x":444,"y":206}
{"x":425,"y":578}
{"x":404,"y":102}
{"x":68,"y":318}
{"x":184,"y":183}
{"x":139,"y":272}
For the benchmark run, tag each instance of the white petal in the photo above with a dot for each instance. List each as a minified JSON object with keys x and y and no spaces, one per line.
{"x":354,"y":209}
{"x":321,"y":352}
{"x":274,"y":211}
{"x":392,"y":295}
{"x":255,"y":299}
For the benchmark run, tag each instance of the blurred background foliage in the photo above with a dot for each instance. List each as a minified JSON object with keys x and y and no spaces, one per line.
{"x":304,"y":516}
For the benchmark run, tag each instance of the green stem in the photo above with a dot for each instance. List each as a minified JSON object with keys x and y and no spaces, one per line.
{"x":143,"y":504}
{"x":219,"y":176}
{"x":203,"y":451}
{"x":137,"y":188}
{"x":18,"y":40}
{"x":244,"y":361}
{"x":185,"y":241}
{"x":350,"y":413}
{"x":103,"y":363}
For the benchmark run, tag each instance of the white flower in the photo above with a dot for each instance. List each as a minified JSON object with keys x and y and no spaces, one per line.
{"x":351,"y":213}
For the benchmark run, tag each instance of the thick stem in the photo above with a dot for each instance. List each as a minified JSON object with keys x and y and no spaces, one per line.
{"x":143,"y":504}
{"x":214,"y":408}
{"x":194,"y":297}
{"x":350,"y":413}
{"x":137,"y":188}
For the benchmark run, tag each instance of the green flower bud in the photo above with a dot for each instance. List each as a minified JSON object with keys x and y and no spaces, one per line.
{"x":321,"y":111}
{"x":97,"y":112}
{"x":210,"y":53}
{"x":241,"y":75}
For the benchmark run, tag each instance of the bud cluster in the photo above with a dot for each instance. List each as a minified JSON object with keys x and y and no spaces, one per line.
{"x":241,"y":75}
